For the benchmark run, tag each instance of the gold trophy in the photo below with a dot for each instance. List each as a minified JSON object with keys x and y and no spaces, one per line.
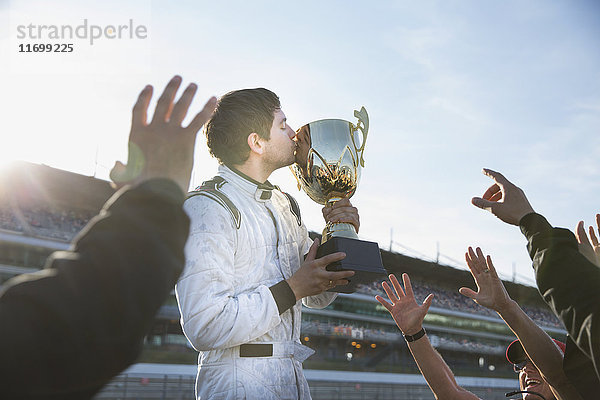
{"x":329,"y":158}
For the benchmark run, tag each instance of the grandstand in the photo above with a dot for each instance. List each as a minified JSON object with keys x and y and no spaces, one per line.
{"x":360,"y":353}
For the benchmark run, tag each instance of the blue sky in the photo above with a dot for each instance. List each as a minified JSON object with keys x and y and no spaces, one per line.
{"x":450,"y":87}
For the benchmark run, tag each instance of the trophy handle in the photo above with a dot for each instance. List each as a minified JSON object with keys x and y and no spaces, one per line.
{"x":293,"y":169}
{"x":363,"y":126}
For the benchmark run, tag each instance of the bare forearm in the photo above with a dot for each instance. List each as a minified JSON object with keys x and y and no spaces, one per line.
{"x":436,"y":372}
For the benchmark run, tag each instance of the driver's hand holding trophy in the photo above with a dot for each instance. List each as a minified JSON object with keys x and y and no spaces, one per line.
{"x":329,"y":158}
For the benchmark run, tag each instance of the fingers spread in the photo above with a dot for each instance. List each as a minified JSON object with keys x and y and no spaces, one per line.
{"x":593,"y":237}
{"x":580,"y":233}
{"x":491,"y":267}
{"x":472,"y":255}
{"x":396,"y":285}
{"x":480,"y":257}
{"x":427,"y":302}
{"x":407,"y":286}
{"x":470,"y":258}
{"x":476,"y":260}
{"x":388,"y":290}
{"x":203,"y":116}
{"x":384,"y":303}
{"x":467,"y":292}
{"x":139,"y":115}
{"x":181,"y":107}
{"x":165,"y":102}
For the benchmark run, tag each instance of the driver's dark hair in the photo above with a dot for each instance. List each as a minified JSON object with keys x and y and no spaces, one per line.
{"x":238,"y":114}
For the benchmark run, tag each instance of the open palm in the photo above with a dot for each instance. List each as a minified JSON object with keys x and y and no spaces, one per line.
{"x":490,"y":289}
{"x":407,"y":314}
{"x":162,"y":148}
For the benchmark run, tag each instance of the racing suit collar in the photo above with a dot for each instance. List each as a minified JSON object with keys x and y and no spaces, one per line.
{"x":260,"y":191}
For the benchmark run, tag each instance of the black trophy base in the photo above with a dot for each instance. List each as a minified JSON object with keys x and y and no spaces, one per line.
{"x":362,"y":257}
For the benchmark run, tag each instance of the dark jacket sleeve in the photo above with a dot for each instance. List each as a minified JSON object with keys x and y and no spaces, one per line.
{"x":569,"y":283}
{"x":66,"y":330}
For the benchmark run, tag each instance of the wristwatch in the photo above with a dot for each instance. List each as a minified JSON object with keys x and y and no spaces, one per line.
{"x":416,"y":336}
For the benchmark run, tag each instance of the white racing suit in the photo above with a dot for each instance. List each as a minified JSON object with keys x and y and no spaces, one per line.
{"x":231,"y":261}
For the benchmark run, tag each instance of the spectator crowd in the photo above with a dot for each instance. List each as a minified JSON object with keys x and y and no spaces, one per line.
{"x":452,"y":300}
{"x":61,"y":223}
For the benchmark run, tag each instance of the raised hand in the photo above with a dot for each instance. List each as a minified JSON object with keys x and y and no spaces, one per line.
{"x":312,"y":277}
{"x":162,"y":148}
{"x":342,"y":211}
{"x":589,"y":247}
{"x":407,"y":314}
{"x":490,"y":289}
{"x":503,"y":199}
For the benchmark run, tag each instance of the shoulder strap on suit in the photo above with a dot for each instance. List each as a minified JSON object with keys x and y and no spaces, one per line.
{"x":212,"y":190}
{"x":294,"y":207}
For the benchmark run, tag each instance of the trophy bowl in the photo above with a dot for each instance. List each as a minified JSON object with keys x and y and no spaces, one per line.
{"x":327,"y":166}
{"x":329,"y":158}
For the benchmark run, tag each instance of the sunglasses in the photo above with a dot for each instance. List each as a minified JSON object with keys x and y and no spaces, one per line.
{"x":520,"y":366}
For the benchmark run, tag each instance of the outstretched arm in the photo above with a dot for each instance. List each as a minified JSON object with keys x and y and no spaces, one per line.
{"x":539,"y":347}
{"x":569,"y":283}
{"x":101,"y":296}
{"x":409,"y":318}
{"x":558,"y":263}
